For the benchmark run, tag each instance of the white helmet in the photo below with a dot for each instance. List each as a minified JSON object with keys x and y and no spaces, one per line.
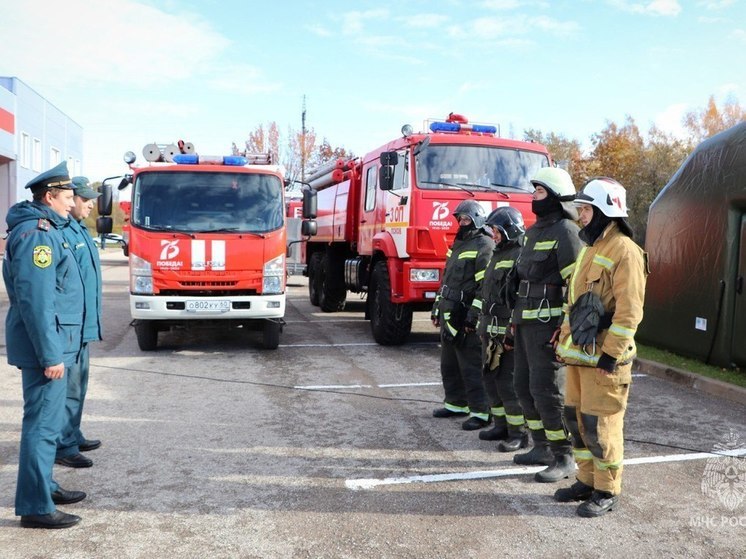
{"x":606,"y":194}
{"x":555,"y":180}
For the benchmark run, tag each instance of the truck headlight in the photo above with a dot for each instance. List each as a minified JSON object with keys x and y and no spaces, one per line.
{"x":274,"y":270}
{"x":141,"y":276}
{"x":424,"y":274}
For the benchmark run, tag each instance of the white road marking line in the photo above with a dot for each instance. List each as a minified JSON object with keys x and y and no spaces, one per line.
{"x":343,"y":386}
{"x":356,"y":484}
{"x":354,"y":344}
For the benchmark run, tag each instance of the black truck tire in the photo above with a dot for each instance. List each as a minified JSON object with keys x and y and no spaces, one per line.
{"x":390,"y":323}
{"x":147,"y":335}
{"x":271,"y":334}
{"x":332,"y":292}
{"x":314,"y":278}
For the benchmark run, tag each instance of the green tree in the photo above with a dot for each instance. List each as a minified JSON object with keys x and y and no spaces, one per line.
{"x":565,"y":152}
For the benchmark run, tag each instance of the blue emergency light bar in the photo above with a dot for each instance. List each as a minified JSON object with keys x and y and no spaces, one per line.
{"x":457,"y":127}
{"x":194,"y":159}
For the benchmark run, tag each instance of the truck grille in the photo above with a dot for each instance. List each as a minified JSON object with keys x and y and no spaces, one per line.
{"x":208,"y":284}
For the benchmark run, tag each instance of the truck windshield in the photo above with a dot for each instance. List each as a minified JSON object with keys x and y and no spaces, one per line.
{"x":491,"y":168}
{"x":196,"y":202}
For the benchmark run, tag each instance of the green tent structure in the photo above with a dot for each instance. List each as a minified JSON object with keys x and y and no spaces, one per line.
{"x":695,"y":302}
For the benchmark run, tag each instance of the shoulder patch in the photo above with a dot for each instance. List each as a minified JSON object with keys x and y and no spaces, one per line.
{"x":43,"y":224}
{"x":42,"y":256}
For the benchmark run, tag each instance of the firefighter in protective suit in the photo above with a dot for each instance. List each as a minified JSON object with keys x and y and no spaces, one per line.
{"x":493,"y":306}
{"x":460,"y":357}
{"x":544,"y":265}
{"x":605,"y":301}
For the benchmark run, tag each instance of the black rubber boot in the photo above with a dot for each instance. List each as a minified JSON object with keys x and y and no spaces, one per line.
{"x":511,"y":444}
{"x":540,"y":454}
{"x":497,"y":433}
{"x":561,"y":468}
{"x":599,"y":504}
{"x":474,"y":423}
{"x":578,"y":491}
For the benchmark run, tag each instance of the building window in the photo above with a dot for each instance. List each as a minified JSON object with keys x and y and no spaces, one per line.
{"x":36,"y":156}
{"x":55,"y":156}
{"x":25,"y":156}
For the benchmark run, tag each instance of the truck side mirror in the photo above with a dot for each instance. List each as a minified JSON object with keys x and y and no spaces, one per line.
{"x":310,"y":204}
{"x":308,"y":228}
{"x":104,"y":201}
{"x":125,"y":182}
{"x":104,"y":224}
{"x":386,"y":177}
{"x":389,"y":158}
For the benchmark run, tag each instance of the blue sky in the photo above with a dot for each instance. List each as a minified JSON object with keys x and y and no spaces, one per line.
{"x":210,"y":71}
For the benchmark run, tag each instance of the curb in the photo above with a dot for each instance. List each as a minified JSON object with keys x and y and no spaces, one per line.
{"x":710,"y":386}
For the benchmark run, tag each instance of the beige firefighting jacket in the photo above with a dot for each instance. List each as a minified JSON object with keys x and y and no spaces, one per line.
{"x":615,"y":268}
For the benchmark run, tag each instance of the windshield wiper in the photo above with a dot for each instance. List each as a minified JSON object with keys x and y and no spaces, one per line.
{"x":168,"y":229}
{"x":455,"y":185}
{"x":232,"y":230}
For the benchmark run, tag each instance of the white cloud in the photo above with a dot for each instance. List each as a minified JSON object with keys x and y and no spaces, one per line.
{"x":501,"y":4}
{"x":655,"y":8}
{"x":670,"y":120}
{"x":506,"y":28}
{"x":425,"y":21}
{"x":738,"y":35}
{"x":319,"y":30}
{"x":120,"y":41}
{"x":716,"y":4}
{"x":240,"y":78}
{"x":352,"y":22}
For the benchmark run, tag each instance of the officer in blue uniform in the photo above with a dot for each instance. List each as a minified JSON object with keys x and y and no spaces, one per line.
{"x":43,"y":330}
{"x":72,"y":440}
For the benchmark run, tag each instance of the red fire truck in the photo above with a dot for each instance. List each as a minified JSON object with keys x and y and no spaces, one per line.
{"x":206,"y":240}
{"x":384,"y":221}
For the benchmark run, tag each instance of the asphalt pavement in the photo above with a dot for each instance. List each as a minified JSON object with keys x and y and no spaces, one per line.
{"x":326,"y":448}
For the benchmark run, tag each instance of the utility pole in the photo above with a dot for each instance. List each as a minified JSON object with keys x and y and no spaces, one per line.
{"x":303,"y":142}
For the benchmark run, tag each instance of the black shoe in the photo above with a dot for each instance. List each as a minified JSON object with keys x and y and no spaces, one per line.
{"x":474,"y":423}
{"x":65,"y":497}
{"x":89,"y":444}
{"x":74,"y":461}
{"x":513,"y":443}
{"x":536,"y":456}
{"x":561,"y":468}
{"x":497,"y":433}
{"x":57,"y":519}
{"x":578,"y":491}
{"x":445,"y":412}
{"x":599,"y":504}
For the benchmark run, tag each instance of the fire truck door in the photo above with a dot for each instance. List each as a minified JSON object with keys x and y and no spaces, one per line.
{"x":368,"y":222}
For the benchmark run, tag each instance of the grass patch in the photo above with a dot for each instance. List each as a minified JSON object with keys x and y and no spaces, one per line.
{"x":732,"y":376}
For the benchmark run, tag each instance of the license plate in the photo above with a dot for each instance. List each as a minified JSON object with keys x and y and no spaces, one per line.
{"x":207,"y":306}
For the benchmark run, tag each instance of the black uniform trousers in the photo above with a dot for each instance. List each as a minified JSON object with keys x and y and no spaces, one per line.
{"x":461,"y":370}
{"x":539,"y":383}
{"x":499,"y":385}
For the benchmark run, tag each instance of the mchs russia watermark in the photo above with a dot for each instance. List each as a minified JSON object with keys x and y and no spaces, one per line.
{"x":724,"y":482}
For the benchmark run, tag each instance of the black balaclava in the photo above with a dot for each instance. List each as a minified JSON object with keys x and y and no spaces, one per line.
{"x":464,"y":230}
{"x":547,"y":206}
{"x":593,"y":230}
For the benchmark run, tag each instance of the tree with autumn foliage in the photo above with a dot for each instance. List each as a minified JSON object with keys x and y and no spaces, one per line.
{"x":643,"y":163}
{"x":301,"y":154}
{"x":707,"y":122}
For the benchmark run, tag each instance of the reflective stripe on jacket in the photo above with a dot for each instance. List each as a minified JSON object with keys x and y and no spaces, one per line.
{"x":613,"y":268}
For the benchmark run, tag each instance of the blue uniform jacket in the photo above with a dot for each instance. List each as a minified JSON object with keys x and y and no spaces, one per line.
{"x":86,"y":255}
{"x":45,"y":320}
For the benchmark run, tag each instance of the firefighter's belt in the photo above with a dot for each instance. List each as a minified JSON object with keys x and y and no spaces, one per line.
{"x":587,"y":319}
{"x":450,"y":294}
{"x":539,"y":290}
{"x":498,"y":310}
